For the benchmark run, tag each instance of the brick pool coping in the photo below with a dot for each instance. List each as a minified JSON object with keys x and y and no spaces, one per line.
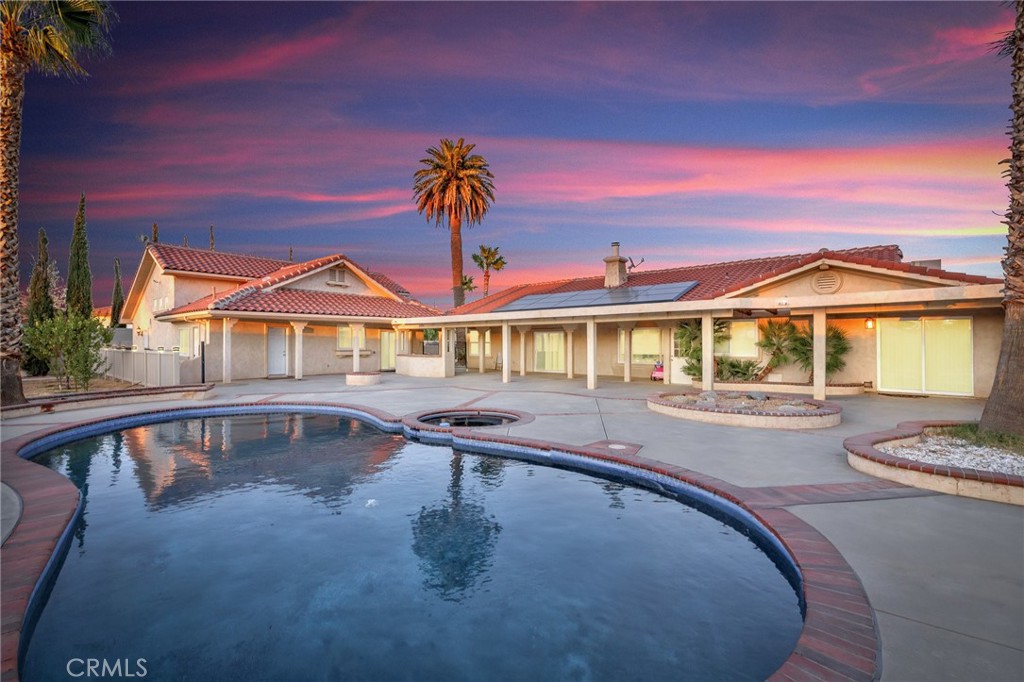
{"x":839,"y":639}
{"x":828,"y":414}
{"x":863,"y":456}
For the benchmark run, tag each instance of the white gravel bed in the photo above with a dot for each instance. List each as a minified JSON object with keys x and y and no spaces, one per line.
{"x":948,"y":451}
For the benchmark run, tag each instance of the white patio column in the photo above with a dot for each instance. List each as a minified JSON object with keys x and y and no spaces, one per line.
{"x":522,"y":350}
{"x":627,"y":360}
{"x":298,"y":327}
{"x":569,"y":355}
{"x":480,"y":349}
{"x":356,"y":346}
{"x":707,"y":351}
{"x":591,"y":354}
{"x":820,"y":328}
{"x":666,"y":349}
{"x":506,"y":349}
{"x":226,"y":348}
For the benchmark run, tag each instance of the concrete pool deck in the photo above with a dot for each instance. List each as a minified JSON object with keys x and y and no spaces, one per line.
{"x":944,"y":575}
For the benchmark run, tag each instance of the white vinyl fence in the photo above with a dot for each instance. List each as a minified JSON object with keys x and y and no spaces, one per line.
{"x":146,"y":367}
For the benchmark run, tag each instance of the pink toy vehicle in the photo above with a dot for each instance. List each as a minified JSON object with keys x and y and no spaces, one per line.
{"x":659,"y":371}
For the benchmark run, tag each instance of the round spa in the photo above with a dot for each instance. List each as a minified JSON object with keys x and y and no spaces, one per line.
{"x":316,"y":546}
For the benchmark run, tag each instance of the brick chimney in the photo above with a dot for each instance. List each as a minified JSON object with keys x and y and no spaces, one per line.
{"x":614,"y":268}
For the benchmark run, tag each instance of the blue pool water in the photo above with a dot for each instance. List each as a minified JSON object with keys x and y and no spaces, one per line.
{"x":315,"y":547}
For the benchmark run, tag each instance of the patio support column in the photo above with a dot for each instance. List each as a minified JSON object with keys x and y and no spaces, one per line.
{"x":820,"y":327}
{"x":666,"y":349}
{"x":506,"y":350}
{"x":225,"y":338}
{"x":627,"y":352}
{"x":569,"y":355}
{"x":591,"y":354}
{"x":707,"y":351}
{"x":480,"y":348}
{"x":298,"y":327}
{"x":356,"y":347}
{"x":522,"y":350}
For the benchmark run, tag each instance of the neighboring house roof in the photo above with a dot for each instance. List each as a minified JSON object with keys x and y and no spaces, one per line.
{"x":103,"y":311}
{"x":720,"y":279}
{"x":268,"y":294}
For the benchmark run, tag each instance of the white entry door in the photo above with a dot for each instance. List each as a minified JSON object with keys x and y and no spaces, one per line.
{"x":387,"y":351}
{"x":277,"y":351}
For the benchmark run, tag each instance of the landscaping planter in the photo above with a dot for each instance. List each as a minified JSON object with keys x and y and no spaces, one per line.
{"x":362,"y":378}
{"x":751,"y":409}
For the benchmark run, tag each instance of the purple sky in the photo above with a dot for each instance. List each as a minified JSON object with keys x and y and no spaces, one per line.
{"x":689,"y":132}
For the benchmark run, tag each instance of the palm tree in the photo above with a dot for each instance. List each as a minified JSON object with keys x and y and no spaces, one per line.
{"x":837,"y":345}
{"x":48,"y":37}
{"x":1002,"y":411}
{"x":689,"y":344}
{"x":488,"y":259}
{"x":454,"y":185}
{"x":777,"y":341}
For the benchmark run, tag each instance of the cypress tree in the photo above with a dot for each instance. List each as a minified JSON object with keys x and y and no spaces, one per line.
{"x":79,"y":276}
{"x":40,"y":303}
{"x":211,"y":239}
{"x":156,"y":234}
{"x":117,"y":298}
{"x":184,"y":242}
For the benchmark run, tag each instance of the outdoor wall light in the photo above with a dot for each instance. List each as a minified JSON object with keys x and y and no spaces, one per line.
{"x":869,"y":323}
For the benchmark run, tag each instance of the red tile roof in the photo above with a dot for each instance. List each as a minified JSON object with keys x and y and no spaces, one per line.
{"x":718,"y":279}
{"x":206,"y":262}
{"x":260,"y":295}
{"x":301,"y":302}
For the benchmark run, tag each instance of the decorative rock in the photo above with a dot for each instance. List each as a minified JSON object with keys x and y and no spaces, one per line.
{"x":758,"y":396}
{"x":707,"y":396}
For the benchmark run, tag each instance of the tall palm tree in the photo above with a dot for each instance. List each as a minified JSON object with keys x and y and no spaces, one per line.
{"x":1003,"y":409}
{"x":47,"y":37}
{"x":454,"y":186}
{"x":488,"y":259}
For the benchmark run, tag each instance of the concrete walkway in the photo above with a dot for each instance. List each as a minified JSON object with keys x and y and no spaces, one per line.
{"x":945,"y":575}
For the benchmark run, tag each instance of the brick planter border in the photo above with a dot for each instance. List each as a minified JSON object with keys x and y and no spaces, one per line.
{"x":863,"y":456}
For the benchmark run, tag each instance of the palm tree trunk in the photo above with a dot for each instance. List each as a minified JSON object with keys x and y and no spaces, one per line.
{"x":1003,"y":410}
{"x":458,"y":293}
{"x":12,"y":95}
{"x":487,"y":281}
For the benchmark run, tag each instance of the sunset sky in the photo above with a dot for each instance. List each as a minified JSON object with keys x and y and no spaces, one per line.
{"x":691,"y":133}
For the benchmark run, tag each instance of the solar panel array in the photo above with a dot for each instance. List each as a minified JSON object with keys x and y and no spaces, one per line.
{"x":653,"y":293}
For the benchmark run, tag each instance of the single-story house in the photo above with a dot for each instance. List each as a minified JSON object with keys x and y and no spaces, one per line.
{"x":912,"y":327}
{"x":231,"y":316}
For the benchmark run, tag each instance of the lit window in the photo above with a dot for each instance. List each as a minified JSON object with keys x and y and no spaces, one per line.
{"x":345,"y":337}
{"x":473,"y":338}
{"x":742,"y":341}
{"x":646,"y":346}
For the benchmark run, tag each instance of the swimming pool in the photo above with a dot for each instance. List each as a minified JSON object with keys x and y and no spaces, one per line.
{"x":301,"y":546}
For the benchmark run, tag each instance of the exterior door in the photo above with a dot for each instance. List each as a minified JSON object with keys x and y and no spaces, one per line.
{"x":549,"y":351}
{"x":277,"y":351}
{"x":387,"y":351}
{"x":926,"y":355}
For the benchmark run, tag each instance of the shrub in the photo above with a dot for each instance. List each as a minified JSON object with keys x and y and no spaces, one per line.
{"x":71,"y":346}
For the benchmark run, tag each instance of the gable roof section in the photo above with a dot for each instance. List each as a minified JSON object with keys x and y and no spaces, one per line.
{"x":720,"y":279}
{"x":180,"y":259}
{"x":267,"y":294}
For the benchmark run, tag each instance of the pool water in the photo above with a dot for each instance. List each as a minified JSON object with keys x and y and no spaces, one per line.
{"x":316,"y":547}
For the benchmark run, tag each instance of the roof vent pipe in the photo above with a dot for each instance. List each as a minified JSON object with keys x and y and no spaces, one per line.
{"x":614,"y":268}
